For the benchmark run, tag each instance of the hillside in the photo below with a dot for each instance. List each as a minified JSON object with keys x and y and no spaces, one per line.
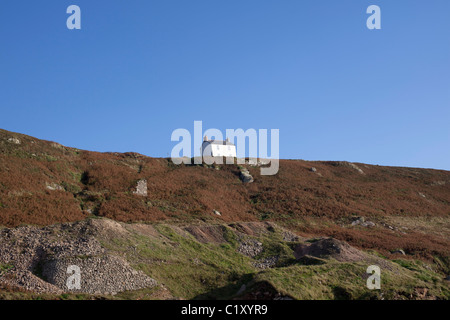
{"x":376,"y":209}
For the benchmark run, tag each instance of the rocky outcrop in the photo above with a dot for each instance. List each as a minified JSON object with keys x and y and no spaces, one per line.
{"x":14,"y":140}
{"x":363,"y":222}
{"x":141,"y":188}
{"x":245,"y":176}
{"x":329,"y":248}
{"x":54,"y":186}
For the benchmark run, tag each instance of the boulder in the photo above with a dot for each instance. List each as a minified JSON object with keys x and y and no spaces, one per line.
{"x":328,"y":248}
{"x":141,"y":188}
{"x":14,"y":140}
{"x":54,"y":186}
{"x":245,"y":176}
{"x":361,"y":221}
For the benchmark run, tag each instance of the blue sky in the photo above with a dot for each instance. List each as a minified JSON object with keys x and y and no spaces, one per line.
{"x":137,"y":70}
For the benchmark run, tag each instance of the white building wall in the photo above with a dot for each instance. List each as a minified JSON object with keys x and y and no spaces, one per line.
{"x":218,"y":150}
{"x":223,"y":150}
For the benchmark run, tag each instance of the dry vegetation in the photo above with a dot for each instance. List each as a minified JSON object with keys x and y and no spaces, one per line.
{"x":318,"y":203}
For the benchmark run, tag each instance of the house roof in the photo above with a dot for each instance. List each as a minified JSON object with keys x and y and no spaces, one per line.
{"x":221,"y":142}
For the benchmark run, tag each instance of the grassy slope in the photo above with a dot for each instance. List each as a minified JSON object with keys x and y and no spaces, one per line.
{"x":193,"y":270}
{"x":415,"y":201}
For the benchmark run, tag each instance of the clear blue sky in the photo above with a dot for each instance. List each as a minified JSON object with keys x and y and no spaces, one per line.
{"x":137,"y":70}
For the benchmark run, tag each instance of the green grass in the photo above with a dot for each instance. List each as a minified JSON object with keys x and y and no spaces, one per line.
{"x":184,"y":265}
{"x":187,"y":267}
{"x":337,"y":280}
{"x":193,"y":270}
{"x":190,"y":270}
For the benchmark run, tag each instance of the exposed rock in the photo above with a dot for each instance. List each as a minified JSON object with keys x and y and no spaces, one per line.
{"x":439,"y":183}
{"x":346,"y":164}
{"x":217,"y":212}
{"x":105,"y":274}
{"x":25,"y":280}
{"x":250,"y":247}
{"x":54,"y":186}
{"x":368,"y":224}
{"x":400,"y":251}
{"x":14,"y":140}
{"x":329,"y":248}
{"x":141,"y":188}
{"x":354,"y":166}
{"x":40,"y":257}
{"x":245,"y":176}
{"x":313,"y":169}
{"x":253,"y":228}
{"x":361,"y":221}
{"x":420,"y":293}
{"x":57,"y":145}
{"x":266,"y":263}
{"x":290,"y":237}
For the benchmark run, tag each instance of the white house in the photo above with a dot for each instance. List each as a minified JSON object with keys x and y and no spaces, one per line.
{"x":218,"y":148}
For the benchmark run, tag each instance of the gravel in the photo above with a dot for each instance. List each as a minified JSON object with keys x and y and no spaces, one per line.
{"x":249,"y":247}
{"x":39,"y":258}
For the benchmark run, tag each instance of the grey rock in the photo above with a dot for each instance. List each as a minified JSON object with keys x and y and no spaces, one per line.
{"x":361,"y":221}
{"x":14,"y":140}
{"x":250,"y":247}
{"x":141,"y":188}
{"x":245,"y":176}
{"x":266,"y":263}
{"x":54,"y":186}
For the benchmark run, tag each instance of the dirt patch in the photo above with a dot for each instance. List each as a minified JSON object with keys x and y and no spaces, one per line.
{"x":253,"y":228}
{"x":329,"y":248}
{"x":106,"y":228}
{"x":208,"y":234}
{"x":144,"y":229}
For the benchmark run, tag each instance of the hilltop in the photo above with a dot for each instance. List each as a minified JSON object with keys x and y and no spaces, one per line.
{"x":391,"y":212}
